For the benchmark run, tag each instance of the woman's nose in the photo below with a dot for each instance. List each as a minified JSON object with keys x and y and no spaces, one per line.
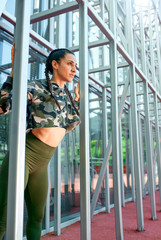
{"x":74,"y":69}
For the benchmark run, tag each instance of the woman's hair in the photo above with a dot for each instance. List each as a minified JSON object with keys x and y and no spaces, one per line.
{"x":57,"y":55}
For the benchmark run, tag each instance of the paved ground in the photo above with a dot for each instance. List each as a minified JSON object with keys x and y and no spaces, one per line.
{"x":103,"y":225}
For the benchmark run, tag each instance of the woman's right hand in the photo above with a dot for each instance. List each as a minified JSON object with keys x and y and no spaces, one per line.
{"x":12,"y":58}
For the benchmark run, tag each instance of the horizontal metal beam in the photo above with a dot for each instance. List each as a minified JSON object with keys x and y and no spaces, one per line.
{"x":106,"y":68}
{"x":53,"y":12}
{"x":9,"y":17}
{"x":144,"y":78}
{"x":94,"y":44}
{"x":41,"y":40}
{"x":35,"y":36}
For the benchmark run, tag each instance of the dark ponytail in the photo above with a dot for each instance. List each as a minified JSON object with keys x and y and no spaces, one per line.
{"x":49,"y":85}
{"x":57,"y":55}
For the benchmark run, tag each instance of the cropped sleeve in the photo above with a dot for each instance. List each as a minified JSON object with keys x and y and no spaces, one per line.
{"x":6,"y":96}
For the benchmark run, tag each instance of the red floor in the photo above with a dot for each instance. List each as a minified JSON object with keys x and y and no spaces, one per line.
{"x":103,"y":225}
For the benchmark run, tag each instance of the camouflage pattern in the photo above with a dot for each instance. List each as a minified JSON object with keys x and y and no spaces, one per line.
{"x":42,"y":110}
{"x":5,"y":96}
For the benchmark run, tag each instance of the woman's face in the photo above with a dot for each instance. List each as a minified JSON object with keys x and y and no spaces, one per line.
{"x":65,"y":70}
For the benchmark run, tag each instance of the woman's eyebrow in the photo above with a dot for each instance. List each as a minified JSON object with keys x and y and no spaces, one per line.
{"x":72,"y":61}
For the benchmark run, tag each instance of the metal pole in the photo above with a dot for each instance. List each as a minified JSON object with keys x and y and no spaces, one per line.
{"x":139,"y":204}
{"x":73,"y":168}
{"x":47,"y":210}
{"x":141,"y":155}
{"x":115,"y":144}
{"x":105,"y":118}
{"x":157,"y":142}
{"x":60,"y":30}
{"x":115,"y":126}
{"x":66,"y":173}
{"x":143,"y":54}
{"x":131,"y":155}
{"x":84,"y":127}
{"x":18,"y":123}
{"x":151,"y":43}
{"x":105,"y":143}
{"x":127,"y":154}
{"x":158,"y":47}
{"x":121,"y":166}
{"x":149,"y":152}
{"x":57,"y":191}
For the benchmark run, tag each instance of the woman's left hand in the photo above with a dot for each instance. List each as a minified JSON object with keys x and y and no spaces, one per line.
{"x":76,"y":90}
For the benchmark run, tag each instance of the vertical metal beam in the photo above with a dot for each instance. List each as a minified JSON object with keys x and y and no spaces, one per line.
{"x":141,"y":155}
{"x":57,"y":191}
{"x":139,"y":204}
{"x":18,"y":123}
{"x":115,"y":143}
{"x":105,"y":143}
{"x":73,"y":167}
{"x":158,"y":47}
{"x":149,"y":151}
{"x":127,"y":155}
{"x":159,"y":6}
{"x":47,"y":209}
{"x":129,"y":28}
{"x":157,"y":142}
{"x":131,"y":155}
{"x":84,"y":127}
{"x":105,"y":119}
{"x":147,"y":165}
{"x":115,"y":133}
{"x":51,"y":25}
{"x":151,"y":48}
{"x":66,"y":173}
{"x":51,"y":40}
{"x":143,"y":55}
{"x":60,"y":30}
{"x":121,"y":166}
{"x":152,"y":154}
{"x":69,"y":31}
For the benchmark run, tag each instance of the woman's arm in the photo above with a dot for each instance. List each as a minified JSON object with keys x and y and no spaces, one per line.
{"x":77,"y":95}
{"x":5,"y":92}
{"x":12,"y":58}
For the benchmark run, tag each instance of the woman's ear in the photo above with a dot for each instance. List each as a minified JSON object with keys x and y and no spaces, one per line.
{"x":54,"y":64}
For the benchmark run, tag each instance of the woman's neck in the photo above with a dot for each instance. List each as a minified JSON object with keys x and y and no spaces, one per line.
{"x":58,"y":82}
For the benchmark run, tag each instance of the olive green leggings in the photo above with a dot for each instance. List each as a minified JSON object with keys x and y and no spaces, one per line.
{"x":37,"y":157}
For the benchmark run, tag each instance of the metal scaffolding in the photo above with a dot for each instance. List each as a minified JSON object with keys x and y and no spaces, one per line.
{"x":118,"y":49}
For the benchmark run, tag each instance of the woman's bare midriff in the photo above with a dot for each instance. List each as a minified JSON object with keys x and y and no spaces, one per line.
{"x":50,"y":136}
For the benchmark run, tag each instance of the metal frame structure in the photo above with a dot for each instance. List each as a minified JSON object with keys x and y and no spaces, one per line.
{"x":125,"y":78}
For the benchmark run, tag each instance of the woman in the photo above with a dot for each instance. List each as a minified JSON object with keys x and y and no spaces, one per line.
{"x":51,"y":112}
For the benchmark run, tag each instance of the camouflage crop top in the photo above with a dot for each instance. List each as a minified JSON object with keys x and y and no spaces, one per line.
{"x":42,"y":110}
